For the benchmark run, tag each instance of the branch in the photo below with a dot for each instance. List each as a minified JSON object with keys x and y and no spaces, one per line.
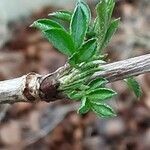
{"x":34,"y":87}
{"x":125,"y":68}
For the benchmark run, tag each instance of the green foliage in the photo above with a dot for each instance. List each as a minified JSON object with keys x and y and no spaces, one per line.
{"x":75,"y":95}
{"x":101,"y":21}
{"x":103,"y":110}
{"x":46,"y":24}
{"x":85,"y":53}
{"x":79,"y":23}
{"x":83,"y":43}
{"x":85,"y":106}
{"x":100,"y":82}
{"x":110,"y":32}
{"x":62,"y":15}
{"x":134,"y":85}
{"x":61,"y":40}
{"x":100,"y":94}
{"x":104,"y":26}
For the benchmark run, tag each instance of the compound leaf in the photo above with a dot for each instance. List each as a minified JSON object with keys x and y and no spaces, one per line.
{"x":86,"y":10}
{"x":62,"y":15}
{"x":61,"y":40}
{"x":102,"y":110}
{"x":134,"y":85}
{"x":75,"y":95}
{"x":46,"y":24}
{"x":100,"y":94}
{"x":85,"y":53}
{"x":110,"y":7}
{"x":102,"y":20}
{"x":97,"y":83}
{"x":84,"y":108}
{"x":110,"y":32}
{"x":85,"y":74}
{"x":79,"y":24}
{"x":87,"y":50}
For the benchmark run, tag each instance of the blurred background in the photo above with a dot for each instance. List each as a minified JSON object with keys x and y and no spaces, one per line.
{"x":57,"y":126}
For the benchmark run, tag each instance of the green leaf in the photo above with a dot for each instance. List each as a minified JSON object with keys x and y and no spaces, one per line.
{"x":85,"y":74}
{"x":46,"y":24}
{"x":86,"y":10}
{"x":79,"y":24}
{"x":102,"y":20}
{"x":61,"y":40}
{"x":134,"y":85}
{"x":110,"y":7}
{"x":87,"y":50}
{"x":103,"y":110}
{"x":85,"y":53}
{"x":84,"y":108}
{"x":73,"y":60}
{"x":110,"y":32}
{"x":62,"y":15}
{"x":90,"y":34}
{"x":74,"y":85}
{"x":102,"y":57}
{"x":88,"y":65}
{"x":97,"y":83}
{"x":100,"y":94}
{"x":75,"y":95}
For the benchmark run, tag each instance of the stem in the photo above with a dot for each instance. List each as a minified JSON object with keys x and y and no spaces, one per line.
{"x":34,"y":87}
{"x":125,"y":68}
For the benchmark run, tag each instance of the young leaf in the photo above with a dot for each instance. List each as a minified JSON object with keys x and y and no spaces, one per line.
{"x":91,"y":64}
{"x":110,"y":32}
{"x":79,"y":24}
{"x":75,"y":95}
{"x":97,"y":83}
{"x":74,"y":85}
{"x":87,"y":50}
{"x":85,"y":53}
{"x":88,"y":65}
{"x":73,"y":60}
{"x":86,"y":10}
{"x":46,"y":24}
{"x":102,"y":57}
{"x":103,"y":110}
{"x":102,"y":20}
{"x":84,"y":108}
{"x":100,"y":94}
{"x":90,"y":35}
{"x":134,"y":85}
{"x":110,"y":7}
{"x":61,"y":40}
{"x":101,"y":24}
{"x":62,"y":15}
{"x":85,"y":74}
